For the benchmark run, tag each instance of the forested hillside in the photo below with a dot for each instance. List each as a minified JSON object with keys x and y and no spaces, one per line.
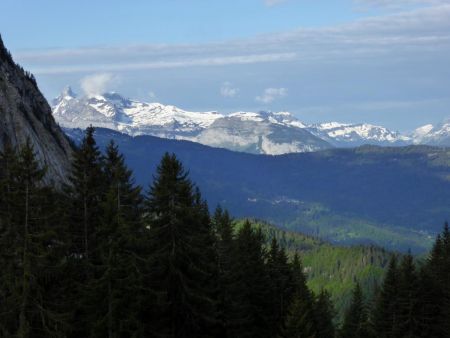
{"x":411,"y":302}
{"x":104,"y":258}
{"x":391,"y":197}
{"x":330,"y":267}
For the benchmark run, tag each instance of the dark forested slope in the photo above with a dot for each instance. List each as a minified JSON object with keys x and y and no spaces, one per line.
{"x":387,"y":196}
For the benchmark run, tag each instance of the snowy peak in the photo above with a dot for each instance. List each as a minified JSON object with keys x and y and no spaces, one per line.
{"x":66,"y":95}
{"x":255,"y":132}
{"x":342,"y":134}
{"x":281,"y":118}
{"x":422,"y":132}
{"x":111,"y":110}
{"x":330,"y":125}
{"x":68,"y":92}
{"x":162,"y":115}
{"x":438,"y":135}
{"x":262,"y":132}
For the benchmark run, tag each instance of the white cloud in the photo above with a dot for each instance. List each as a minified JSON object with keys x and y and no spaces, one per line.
{"x":271,"y":94}
{"x":227,"y":90}
{"x":271,"y":3}
{"x":152,"y":95}
{"x":96,"y":84}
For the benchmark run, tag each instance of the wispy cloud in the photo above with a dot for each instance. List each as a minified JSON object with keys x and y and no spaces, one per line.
{"x":96,"y":84}
{"x":407,"y":35}
{"x":398,"y":4}
{"x":227,"y":90}
{"x":401,"y":2}
{"x":125,"y":65}
{"x":271,"y":94}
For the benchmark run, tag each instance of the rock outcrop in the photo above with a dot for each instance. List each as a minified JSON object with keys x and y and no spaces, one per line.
{"x":25,"y":114}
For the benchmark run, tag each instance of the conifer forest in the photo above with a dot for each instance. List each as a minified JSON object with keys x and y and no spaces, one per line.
{"x":100,"y":256}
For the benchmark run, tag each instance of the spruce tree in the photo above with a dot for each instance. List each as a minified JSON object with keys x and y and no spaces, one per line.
{"x":30,"y":245}
{"x":435,"y":291}
{"x":301,"y":318}
{"x":445,"y":281}
{"x":116,"y":277}
{"x":356,"y":317}
{"x":85,"y":194}
{"x":222,"y":223}
{"x":181,"y":266}
{"x":408,"y":296}
{"x":429,"y":304}
{"x":386,"y":309}
{"x":324,"y":315}
{"x":281,"y":285}
{"x":252,"y":308}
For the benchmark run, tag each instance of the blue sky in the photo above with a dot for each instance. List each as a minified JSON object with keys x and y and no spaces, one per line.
{"x":378,"y":61}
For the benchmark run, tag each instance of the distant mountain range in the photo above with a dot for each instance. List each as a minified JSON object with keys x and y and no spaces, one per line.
{"x":252,"y":132}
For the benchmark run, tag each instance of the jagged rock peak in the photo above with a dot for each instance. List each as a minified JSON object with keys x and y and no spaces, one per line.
{"x":67,"y":91}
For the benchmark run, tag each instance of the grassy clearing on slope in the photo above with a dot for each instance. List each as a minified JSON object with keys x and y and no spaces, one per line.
{"x":340,"y":229}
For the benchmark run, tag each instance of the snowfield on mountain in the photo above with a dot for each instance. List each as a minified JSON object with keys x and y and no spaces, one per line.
{"x":271,"y":133}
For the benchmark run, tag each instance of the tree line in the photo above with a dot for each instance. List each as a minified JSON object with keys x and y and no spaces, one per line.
{"x":103,"y":258}
{"x":413,"y":300}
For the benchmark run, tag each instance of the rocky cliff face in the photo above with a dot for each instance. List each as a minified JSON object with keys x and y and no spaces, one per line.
{"x":25,"y":113}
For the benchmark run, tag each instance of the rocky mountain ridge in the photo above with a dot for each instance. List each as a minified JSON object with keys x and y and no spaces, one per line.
{"x":261,"y":132}
{"x":26,"y":115}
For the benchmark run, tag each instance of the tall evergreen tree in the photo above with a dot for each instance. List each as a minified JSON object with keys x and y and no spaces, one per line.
{"x":282,"y":285}
{"x":408,"y":296}
{"x":116,"y":278}
{"x":85,"y":194}
{"x":252,"y":308}
{"x":181,"y":243}
{"x":29,"y":244}
{"x":435,"y":290}
{"x":445,"y":281}
{"x":429,"y":304}
{"x":324,"y":315}
{"x":386,"y":310}
{"x":301,"y":319}
{"x":356,"y":318}
{"x":222,"y":223}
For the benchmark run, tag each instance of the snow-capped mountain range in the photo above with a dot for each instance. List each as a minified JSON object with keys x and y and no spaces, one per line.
{"x":254,"y":132}
{"x":342,"y":134}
